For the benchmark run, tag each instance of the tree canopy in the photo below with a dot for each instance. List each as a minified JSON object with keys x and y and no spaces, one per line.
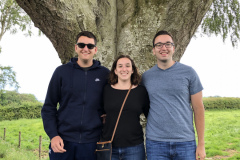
{"x":12,"y":97}
{"x":7,"y":77}
{"x":223,"y":18}
{"x":13,"y":18}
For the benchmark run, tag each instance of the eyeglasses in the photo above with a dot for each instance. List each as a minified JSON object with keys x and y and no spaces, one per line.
{"x":89,"y":46}
{"x":160,"y":45}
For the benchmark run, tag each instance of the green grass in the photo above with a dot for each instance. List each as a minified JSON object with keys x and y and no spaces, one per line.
{"x":222,"y":135}
{"x":11,"y":152}
{"x":30,"y":129}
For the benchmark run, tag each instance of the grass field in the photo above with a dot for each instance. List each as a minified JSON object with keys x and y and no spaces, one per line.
{"x":222,"y":137}
{"x":30,"y":129}
{"x":222,"y":134}
{"x":11,"y":152}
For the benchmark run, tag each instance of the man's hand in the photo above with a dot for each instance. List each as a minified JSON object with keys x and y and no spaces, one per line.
{"x":200,"y":152}
{"x":104,"y":118}
{"x":57,"y":144}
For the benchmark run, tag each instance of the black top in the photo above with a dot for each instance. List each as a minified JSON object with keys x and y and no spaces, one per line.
{"x":129,"y":131}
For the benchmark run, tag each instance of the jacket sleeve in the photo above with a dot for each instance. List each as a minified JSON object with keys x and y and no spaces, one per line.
{"x":49,"y":109}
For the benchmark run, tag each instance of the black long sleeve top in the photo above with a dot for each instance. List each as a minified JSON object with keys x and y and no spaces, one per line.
{"x":129,"y":131}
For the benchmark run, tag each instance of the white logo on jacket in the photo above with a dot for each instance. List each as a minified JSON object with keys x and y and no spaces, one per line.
{"x":97,"y":80}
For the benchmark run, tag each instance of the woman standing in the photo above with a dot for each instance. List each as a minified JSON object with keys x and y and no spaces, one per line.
{"x":128,"y":140}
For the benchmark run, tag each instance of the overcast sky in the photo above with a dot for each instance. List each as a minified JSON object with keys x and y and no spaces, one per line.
{"x":34,"y":59}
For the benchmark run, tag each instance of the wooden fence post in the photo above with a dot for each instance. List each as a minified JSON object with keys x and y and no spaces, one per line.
{"x":40,"y":146}
{"x":19,"y":139}
{"x":4,"y":134}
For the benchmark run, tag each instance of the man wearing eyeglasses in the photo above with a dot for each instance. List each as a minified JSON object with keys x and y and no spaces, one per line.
{"x":175,"y":93}
{"x":77,"y":86}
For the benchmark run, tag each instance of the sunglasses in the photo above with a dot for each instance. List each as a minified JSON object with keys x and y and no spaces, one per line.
{"x":89,"y":46}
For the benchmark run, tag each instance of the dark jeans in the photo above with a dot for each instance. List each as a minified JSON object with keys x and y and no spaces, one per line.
{"x":129,"y":153}
{"x":75,"y":151}
{"x":171,"y":150}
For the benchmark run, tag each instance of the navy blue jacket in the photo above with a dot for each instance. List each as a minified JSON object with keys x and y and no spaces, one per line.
{"x":80,"y":98}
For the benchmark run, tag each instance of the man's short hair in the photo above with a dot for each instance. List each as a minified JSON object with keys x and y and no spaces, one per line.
{"x":162,"y":32}
{"x":87,"y":34}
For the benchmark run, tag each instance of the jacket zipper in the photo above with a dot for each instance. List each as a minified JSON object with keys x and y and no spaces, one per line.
{"x":84,"y":100}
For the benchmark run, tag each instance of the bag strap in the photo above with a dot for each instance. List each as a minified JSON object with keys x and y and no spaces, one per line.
{"x":120,"y":112}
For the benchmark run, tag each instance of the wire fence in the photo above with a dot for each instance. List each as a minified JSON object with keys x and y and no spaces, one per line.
{"x":20,"y":142}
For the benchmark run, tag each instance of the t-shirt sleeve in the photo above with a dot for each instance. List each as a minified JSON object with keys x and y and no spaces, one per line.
{"x":195,"y":83}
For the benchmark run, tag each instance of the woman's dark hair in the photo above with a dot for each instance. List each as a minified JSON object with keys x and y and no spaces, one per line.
{"x":135,"y":77}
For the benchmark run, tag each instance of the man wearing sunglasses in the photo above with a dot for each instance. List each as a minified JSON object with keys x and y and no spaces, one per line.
{"x":175,"y":94}
{"x":77,"y":87}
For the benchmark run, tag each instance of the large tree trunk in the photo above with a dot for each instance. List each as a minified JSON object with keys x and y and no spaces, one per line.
{"x":121,"y":26}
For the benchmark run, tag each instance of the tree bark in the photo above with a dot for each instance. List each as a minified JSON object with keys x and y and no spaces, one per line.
{"x":121,"y":26}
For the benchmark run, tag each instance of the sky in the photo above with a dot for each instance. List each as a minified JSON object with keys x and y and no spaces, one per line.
{"x":217,"y":65}
{"x":34,"y":60}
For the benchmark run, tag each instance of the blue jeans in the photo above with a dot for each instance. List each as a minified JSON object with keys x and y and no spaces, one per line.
{"x":129,"y":153}
{"x":171,"y":150}
{"x":75,"y":151}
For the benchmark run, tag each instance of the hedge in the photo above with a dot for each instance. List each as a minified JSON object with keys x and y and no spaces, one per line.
{"x":30,"y":110}
{"x":27,"y":110}
{"x":221,"y":103}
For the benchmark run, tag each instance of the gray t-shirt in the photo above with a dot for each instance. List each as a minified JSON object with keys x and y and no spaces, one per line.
{"x":170,"y":116}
